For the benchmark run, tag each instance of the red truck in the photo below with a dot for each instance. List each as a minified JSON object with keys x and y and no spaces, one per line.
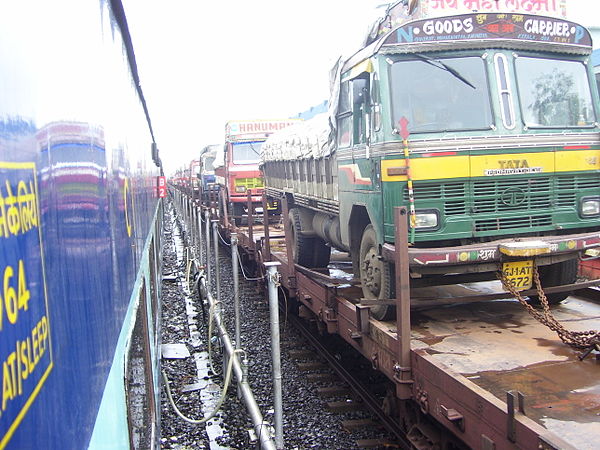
{"x":236,"y":164}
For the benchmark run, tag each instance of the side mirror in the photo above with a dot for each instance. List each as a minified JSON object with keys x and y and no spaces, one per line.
{"x":155,"y":157}
{"x":360,"y":92}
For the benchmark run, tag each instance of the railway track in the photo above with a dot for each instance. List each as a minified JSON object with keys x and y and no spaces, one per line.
{"x":352,"y":387}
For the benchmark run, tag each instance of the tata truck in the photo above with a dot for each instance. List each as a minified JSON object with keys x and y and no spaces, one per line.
{"x":481,"y":119}
{"x":236,"y":165}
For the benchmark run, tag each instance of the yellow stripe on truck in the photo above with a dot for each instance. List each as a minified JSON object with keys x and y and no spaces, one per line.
{"x":512,"y":164}
{"x":572,"y":161}
{"x":432,"y":168}
{"x":464,"y":166}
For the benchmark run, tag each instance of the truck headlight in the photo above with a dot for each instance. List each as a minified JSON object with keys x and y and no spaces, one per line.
{"x":426,"y":219}
{"x":590,"y":206}
{"x":240,"y":189}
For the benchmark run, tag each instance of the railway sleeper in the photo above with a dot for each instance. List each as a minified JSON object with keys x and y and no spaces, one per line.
{"x":302,"y":353}
{"x":334,"y":391}
{"x":376,"y":443}
{"x":321,"y":377}
{"x":359,"y":424}
{"x":311,"y":365}
{"x":342,"y":406}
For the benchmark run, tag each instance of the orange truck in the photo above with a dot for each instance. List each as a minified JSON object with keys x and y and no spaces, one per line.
{"x":236,"y":164}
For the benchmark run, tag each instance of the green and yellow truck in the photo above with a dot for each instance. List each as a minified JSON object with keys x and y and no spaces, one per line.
{"x":481,"y":118}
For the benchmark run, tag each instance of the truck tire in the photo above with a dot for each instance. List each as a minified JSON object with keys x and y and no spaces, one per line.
{"x":556,"y":275}
{"x":376,"y":275}
{"x":221,"y":202}
{"x":237,"y":211}
{"x":302,"y":250}
{"x":308,"y":250}
{"x":322,"y":253}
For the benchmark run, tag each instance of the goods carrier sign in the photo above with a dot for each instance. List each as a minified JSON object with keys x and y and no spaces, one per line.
{"x":472,"y":27}
{"x":25,"y":344}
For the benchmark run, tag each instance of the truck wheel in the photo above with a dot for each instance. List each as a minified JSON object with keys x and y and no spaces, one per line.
{"x":322,"y":253}
{"x":237,"y":211}
{"x":556,"y":275}
{"x":302,"y":249}
{"x":308,"y":250}
{"x":376,"y":275}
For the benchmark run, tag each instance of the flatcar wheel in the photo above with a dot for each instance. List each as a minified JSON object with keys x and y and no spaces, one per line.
{"x":260,"y":261}
{"x":376,"y":275}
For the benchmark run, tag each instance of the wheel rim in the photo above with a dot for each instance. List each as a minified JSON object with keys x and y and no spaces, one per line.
{"x":372,"y":267}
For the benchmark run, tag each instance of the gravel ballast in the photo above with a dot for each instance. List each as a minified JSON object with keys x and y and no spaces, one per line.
{"x":307,"y":422}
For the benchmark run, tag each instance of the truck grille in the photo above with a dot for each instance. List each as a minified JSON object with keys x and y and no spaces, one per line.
{"x":492,"y":196}
{"x":568,"y":185}
{"x":532,"y":200}
{"x":508,"y":223}
{"x":452,"y":194}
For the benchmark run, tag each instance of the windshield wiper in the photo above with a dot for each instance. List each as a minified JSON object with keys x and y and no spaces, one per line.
{"x":253,"y":149}
{"x":441,"y":65}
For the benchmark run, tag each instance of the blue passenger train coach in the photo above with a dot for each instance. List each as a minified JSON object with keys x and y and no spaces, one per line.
{"x":80,"y":226}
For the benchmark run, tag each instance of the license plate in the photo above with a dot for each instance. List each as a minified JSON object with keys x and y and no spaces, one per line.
{"x":519,"y":274}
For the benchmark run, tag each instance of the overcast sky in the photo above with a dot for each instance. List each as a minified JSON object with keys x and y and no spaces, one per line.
{"x":203,"y":62}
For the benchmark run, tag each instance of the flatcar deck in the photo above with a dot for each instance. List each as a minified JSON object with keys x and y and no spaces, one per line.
{"x":498,"y":346}
{"x":487,"y":348}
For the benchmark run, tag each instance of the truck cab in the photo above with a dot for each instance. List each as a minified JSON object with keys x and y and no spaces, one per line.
{"x":206,"y":172}
{"x":237,"y":171}
{"x":483,"y":124}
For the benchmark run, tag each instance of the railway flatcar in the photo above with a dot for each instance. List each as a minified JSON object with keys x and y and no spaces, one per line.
{"x":80,"y":227}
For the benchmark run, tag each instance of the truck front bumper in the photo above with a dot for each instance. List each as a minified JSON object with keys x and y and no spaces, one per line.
{"x":424,"y":260}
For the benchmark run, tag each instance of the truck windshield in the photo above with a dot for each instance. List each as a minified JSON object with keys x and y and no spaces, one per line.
{"x":208,"y":163}
{"x":554,"y":93}
{"x":246,"y":152}
{"x":434,"y":95}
